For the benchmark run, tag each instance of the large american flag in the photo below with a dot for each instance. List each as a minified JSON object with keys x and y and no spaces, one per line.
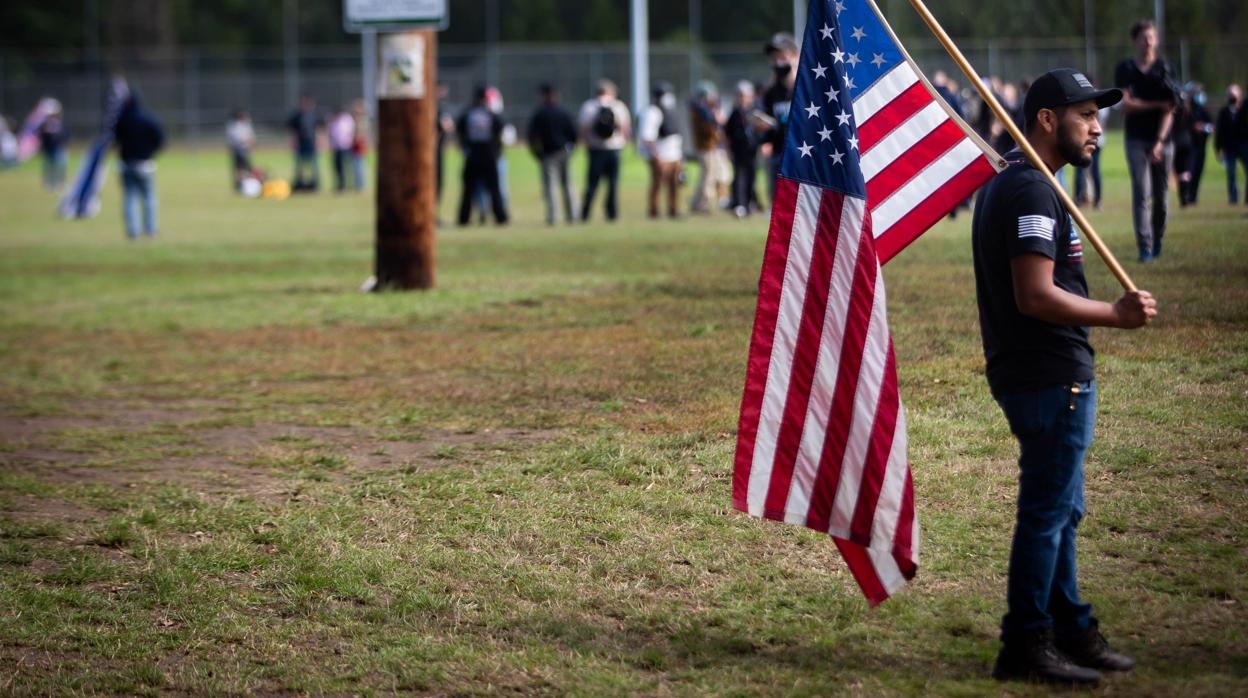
{"x":873,"y":159}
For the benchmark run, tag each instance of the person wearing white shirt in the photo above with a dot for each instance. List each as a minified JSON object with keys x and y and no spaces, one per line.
{"x":605,"y":126}
{"x":663,"y":147}
{"x":240,"y":137}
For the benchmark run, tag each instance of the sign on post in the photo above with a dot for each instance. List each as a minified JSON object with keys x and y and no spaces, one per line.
{"x":393,"y":15}
{"x":406,"y":134}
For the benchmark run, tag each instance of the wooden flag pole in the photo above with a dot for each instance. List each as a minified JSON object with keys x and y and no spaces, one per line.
{"x":1019,"y":138}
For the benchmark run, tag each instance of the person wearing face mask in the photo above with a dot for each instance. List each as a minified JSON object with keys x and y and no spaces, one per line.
{"x":781,"y":52}
{"x":663,"y":147}
{"x":1192,"y":128}
{"x":1229,"y":142}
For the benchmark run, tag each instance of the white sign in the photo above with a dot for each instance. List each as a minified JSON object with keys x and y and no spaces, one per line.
{"x":402,"y":73}
{"x":359,"y":15}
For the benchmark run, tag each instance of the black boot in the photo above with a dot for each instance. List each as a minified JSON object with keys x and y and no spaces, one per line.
{"x":1088,"y":648}
{"x":1033,"y":657}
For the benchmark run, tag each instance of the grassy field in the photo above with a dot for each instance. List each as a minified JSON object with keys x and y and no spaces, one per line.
{"x":223,"y":469}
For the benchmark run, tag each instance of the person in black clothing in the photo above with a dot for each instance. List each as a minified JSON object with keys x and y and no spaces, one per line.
{"x":552,"y":138}
{"x":1230,"y":140}
{"x":743,"y":145}
{"x":781,"y":53}
{"x":139,"y":137}
{"x":1151,"y":97}
{"x":481,"y":136}
{"x":1034,"y":314}
{"x":306,"y":126}
{"x":1192,"y":127}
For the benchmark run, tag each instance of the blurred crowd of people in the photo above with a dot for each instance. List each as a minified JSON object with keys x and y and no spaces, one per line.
{"x":727,"y":139}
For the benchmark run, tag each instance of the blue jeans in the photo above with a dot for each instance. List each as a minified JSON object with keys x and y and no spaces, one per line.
{"x":1235,"y":157}
{"x":138,"y":184}
{"x":602,"y":163}
{"x":1054,"y":430}
{"x":357,"y":163}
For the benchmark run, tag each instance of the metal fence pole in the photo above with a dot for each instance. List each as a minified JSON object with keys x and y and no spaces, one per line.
{"x":492,"y":68}
{"x":1088,"y":39}
{"x":640,"y":30}
{"x":190,"y":97}
{"x":695,"y":42}
{"x":290,"y":39}
{"x":368,"y":57}
{"x":595,"y":68}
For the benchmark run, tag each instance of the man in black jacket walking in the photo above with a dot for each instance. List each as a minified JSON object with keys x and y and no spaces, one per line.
{"x":1230,"y":139}
{"x":139,"y":137}
{"x":552,"y":137}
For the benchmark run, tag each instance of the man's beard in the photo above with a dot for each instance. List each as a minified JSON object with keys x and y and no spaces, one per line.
{"x":1070,"y":150}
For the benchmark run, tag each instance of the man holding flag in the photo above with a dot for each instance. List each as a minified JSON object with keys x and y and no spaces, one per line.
{"x":1034,"y":315}
{"x":873,"y":158}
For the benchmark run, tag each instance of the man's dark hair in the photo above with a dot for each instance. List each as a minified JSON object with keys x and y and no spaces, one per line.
{"x":1141,"y":25}
{"x":1030,"y":120}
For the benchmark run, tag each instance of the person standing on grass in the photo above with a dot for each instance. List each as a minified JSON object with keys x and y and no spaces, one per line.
{"x":480,"y":134}
{"x":706,"y":125}
{"x":1230,"y":140}
{"x":445,"y":129}
{"x":1151,"y":95}
{"x":52,"y":139}
{"x":1192,"y":126}
{"x":139,"y":137}
{"x":341,"y":139}
{"x":240,"y":137}
{"x":605,"y":127}
{"x":552,"y":138}
{"x":743,"y":145}
{"x":662,"y":146}
{"x":1034,"y":315}
{"x":306,"y":126}
{"x":781,"y":52}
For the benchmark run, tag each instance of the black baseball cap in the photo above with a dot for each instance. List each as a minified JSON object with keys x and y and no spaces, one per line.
{"x":1063,"y":86}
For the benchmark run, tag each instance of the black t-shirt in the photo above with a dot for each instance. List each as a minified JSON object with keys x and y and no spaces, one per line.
{"x":305,"y":124}
{"x":481,"y":133}
{"x":551,"y":130}
{"x":777,"y":101}
{"x":1018,"y":212}
{"x":1156,"y":85}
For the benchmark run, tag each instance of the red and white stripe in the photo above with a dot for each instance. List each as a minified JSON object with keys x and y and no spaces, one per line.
{"x":822,"y":438}
{"x":919,"y":160}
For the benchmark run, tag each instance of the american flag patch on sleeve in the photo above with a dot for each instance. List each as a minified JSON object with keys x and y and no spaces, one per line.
{"x":1036,"y":227}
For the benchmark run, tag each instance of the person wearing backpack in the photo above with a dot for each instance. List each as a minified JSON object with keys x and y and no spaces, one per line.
{"x":139,"y":137}
{"x":605,"y":127}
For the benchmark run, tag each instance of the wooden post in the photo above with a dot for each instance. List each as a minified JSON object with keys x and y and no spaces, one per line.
{"x":406,"y":142}
{"x":1002,"y":116}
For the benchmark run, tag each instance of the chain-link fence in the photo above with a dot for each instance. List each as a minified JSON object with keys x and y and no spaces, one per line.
{"x":194,"y":89}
